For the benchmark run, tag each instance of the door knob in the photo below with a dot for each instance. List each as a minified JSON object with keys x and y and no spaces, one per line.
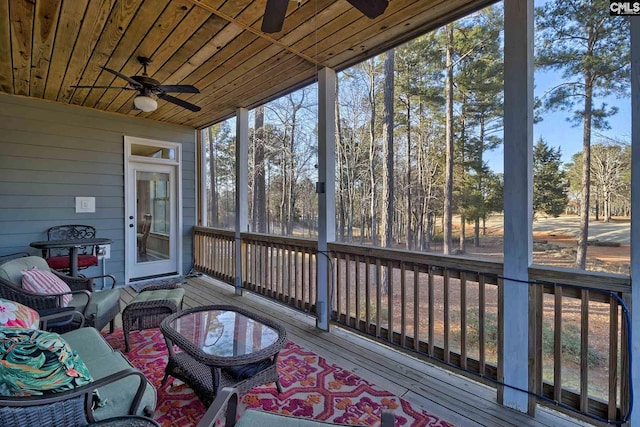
{"x":130,"y":225}
{"x":130,"y":216}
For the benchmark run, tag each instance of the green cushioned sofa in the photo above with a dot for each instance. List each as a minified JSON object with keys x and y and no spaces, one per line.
{"x":122,"y":389}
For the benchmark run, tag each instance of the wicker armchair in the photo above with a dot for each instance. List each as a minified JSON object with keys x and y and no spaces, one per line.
{"x":99,"y":308}
{"x":127,"y":395}
{"x":69,"y":409}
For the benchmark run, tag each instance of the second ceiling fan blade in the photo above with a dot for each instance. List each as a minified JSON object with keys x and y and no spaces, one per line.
{"x":274,"y":14}
{"x":132,"y":82}
{"x":179,"y":88}
{"x":370,"y":8}
{"x":180,"y":102}
{"x":103,"y":87}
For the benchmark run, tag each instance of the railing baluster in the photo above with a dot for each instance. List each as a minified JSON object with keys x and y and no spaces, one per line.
{"x":482,"y":306}
{"x":303,"y":279}
{"x":389,"y":284}
{"x":584,"y":351}
{"x":613,"y":357}
{"x":431,"y":314}
{"x":446,"y":321}
{"x":378,"y":280}
{"x":367,"y":294}
{"x":338,"y":303}
{"x":357,"y":283}
{"x":347,"y":289}
{"x":463,"y":320}
{"x":416,"y":307}
{"x":403,"y":305}
{"x":557,"y":344}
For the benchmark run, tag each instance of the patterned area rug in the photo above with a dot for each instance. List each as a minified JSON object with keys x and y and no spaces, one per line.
{"x":312,"y":388}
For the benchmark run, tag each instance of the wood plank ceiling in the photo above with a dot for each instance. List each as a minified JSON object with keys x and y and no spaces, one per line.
{"x":46,"y":46}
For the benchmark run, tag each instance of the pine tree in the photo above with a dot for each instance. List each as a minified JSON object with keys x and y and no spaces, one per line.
{"x":592,"y":50}
{"x":549,"y":181}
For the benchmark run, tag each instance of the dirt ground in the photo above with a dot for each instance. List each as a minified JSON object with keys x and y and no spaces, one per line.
{"x":558,"y":250}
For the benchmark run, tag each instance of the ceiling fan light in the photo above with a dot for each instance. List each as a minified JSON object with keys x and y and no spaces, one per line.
{"x":145,"y":103}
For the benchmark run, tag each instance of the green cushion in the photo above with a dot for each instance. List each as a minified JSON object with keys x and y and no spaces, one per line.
{"x":266,"y":419}
{"x":12,"y":270}
{"x":116,"y":397}
{"x":174,"y":295}
{"x":87,"y":342}
{"x":101,"y":302}
{"x":35,"y":362}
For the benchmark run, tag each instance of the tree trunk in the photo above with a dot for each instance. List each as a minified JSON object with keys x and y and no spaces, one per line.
{"x":373,"y":153}
{"x":583,"y":233}
{"x":407,"y":232}
{"x":341,"y":175}
{"x":387,"y":134}
{"x":259,"y":223}
{"x":213,"y":205}
{"x":448,"y":178}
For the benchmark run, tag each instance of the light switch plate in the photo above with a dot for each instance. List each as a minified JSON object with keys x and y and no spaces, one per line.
{"x":85,"y":204}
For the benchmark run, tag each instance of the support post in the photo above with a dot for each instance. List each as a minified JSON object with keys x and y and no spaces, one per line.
{"x":635,"y":213}
{"x":242,"y":190}
{"x":518,"y":199}
{"x":326,"y":190}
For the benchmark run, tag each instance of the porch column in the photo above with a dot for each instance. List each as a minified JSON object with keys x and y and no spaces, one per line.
{"x":635,"y":213}
{"x":518,"y":197}
{"x":326,"y":189}
{"x":242,"y":189}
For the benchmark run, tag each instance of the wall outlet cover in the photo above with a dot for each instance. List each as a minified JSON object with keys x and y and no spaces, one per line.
{"x":85,"y":204}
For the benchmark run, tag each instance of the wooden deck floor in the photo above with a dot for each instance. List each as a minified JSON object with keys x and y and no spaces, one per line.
{"x":449,"y":396}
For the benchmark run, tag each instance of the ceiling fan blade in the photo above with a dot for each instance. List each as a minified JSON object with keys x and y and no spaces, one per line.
{"x":274,"y":14}
{"x":103,"y":87}
{"x":132,"y":82}
{"x":370,"y":8}
{"x":179,"y":88}
{"x":180,"y":102}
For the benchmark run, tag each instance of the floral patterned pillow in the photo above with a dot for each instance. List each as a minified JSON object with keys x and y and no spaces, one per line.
{"x":16,"y":315}
{"x":35,"y":362}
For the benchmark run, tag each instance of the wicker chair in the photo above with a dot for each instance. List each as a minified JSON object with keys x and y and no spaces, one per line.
{"x":69,"y":409}
{"x":75,"y":408}
{"x":99,"y":308}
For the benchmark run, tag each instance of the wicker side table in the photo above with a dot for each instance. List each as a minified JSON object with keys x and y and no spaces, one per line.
{"x":150,"y":307}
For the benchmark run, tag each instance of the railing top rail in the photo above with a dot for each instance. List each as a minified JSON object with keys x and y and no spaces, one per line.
{"x":607,"y":282}
{"x":214,"y":230}
{"x":592,"y":279}
{"x":443,"y":261}
{"x":281,"y":240}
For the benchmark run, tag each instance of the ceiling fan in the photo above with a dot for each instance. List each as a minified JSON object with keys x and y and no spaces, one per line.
{"x":149,"y":89}
{"x":276,"y":10}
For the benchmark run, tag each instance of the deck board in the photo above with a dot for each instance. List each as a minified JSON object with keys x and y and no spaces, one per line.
{"x":448,"y":395}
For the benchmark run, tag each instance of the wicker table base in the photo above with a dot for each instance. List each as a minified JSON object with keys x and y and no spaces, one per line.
{"x":149,"y":308}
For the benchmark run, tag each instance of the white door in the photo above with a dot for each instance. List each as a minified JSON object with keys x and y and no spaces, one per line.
{"x":151,"y":221}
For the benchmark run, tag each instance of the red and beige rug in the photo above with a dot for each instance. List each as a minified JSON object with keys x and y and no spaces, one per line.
{"x":312,"y":388}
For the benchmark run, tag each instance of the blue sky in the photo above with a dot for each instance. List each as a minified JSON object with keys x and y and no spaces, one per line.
{"x":555,"y":129}
{"x":557,"y":132}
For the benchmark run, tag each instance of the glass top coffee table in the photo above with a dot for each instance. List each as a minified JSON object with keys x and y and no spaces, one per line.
{"x":221,"y":346}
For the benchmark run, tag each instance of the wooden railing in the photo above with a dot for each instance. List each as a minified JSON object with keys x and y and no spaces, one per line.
{"x":448,"y":310}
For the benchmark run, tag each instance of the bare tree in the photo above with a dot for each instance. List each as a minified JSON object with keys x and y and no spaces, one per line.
{"x":388,"y":150}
